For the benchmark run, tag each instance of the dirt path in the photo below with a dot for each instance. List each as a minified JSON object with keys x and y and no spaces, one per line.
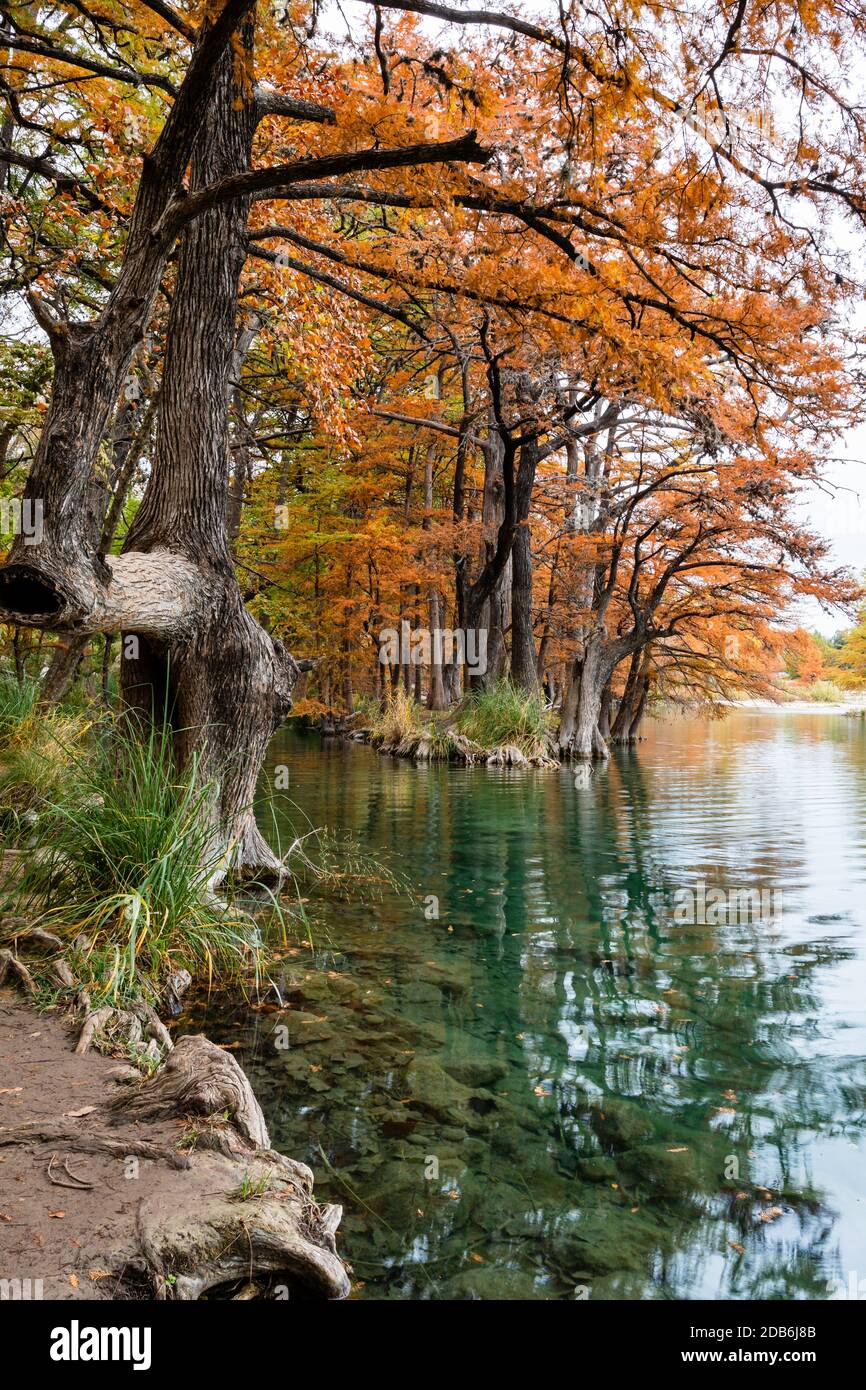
{"x":79,"y":1243}
{"x":98,"y":1202}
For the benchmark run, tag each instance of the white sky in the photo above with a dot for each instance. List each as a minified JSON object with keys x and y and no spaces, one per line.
{"x":841,"y":518}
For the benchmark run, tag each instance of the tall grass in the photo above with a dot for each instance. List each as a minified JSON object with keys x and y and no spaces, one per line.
{"x":34,"y":758}
{"x":822,"y":693}
{"x":396,"y":722}
{"x":505,"y":714}
{"x":16,"y":705}
{"x":122,"y":862}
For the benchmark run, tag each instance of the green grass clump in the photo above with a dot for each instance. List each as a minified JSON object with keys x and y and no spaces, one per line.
{"x":34,"y":755}
{"x":16,"y":706}
{"x":505,"y":714}
{"x":123,"y":853}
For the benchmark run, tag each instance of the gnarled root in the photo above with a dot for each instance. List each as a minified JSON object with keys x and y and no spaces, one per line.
{"x":11,"y":965}
{"x":199,"y":1078}
{"x":247,"y":1219}
{"x":260,"y":1228}
{"x":134,"y":1024}
{"x":90,"y":1140}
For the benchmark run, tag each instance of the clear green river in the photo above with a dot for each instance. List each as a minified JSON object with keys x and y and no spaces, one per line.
{"x":578,"y":1081}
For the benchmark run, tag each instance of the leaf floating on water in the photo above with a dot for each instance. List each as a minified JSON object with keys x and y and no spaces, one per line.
{"x":682,"y":1150}
{"x":771,"y":1213}
{"x":735,"y":1245}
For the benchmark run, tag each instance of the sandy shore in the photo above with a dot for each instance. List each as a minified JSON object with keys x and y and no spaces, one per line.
{"x":855,"y":706}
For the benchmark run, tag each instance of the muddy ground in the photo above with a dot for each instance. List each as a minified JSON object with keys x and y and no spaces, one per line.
{"x":99,"y":1203}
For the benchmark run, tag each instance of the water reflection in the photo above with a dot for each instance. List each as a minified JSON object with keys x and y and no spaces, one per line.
{"x":556,"y":1090}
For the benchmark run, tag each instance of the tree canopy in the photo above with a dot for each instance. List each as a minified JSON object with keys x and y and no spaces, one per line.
{"x":530,"y":323}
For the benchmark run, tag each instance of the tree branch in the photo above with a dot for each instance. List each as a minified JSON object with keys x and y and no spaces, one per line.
{"x":271,"y":103}
{"x":182,"y":210}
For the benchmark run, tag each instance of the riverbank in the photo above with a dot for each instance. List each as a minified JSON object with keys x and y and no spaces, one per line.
{"x":855,"y":706}
{"x":118,"y":1185}
{"x":427,"y":736}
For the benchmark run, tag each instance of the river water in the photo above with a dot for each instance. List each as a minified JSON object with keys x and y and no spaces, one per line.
{"x":574,"y":1062}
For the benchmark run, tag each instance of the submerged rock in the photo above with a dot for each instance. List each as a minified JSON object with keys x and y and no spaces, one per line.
{"x":672,"y":1169}
{"x":477,"y":1070}
{"x":433,"y":1090}
{"x":597,"y":1168}
{"x":620,"y":1123}
{"x":496,"y":1283}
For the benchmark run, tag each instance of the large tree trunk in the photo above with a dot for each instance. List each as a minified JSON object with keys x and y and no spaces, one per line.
{"x":579,"y":733}
{"x":200,"y":655}
{"x":622,"y":720}
{"x":227,"y":683}
{"x":523,"y":665}
{"x":633,"y":702}
{"x":640,"y":710}
{"x":436,"y":689}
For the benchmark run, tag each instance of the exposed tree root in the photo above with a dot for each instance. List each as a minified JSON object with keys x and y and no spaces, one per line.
{"x":263,"y":1228}
{"x":90,"y":1140}
{"x":11,"y":965}
{"x":241,"y":1212}
{"x":199,"y":1078}
{"x":134,"y":1024}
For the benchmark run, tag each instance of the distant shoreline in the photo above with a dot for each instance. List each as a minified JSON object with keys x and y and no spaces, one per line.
{"x":857,"y":705}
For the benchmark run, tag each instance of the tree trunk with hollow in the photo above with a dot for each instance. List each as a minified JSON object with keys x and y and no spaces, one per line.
{"x":197,"y":654}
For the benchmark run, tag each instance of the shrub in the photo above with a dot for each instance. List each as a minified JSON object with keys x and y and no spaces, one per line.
{"x":505,"y":714}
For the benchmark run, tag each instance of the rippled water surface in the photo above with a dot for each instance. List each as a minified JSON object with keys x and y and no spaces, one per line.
{"x":558,"y":1088}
